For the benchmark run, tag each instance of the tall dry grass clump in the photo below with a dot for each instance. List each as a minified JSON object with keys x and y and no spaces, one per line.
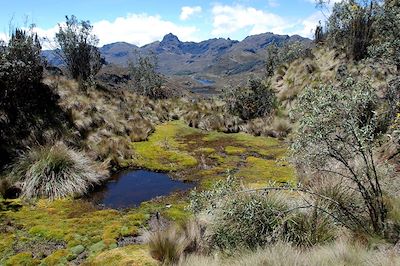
{"x":283,"y":254}
{"x":173,"y":244}
{"x":55,"y":172}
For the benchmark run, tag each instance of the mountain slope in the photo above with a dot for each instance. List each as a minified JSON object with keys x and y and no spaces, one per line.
{"x":213,"y":57}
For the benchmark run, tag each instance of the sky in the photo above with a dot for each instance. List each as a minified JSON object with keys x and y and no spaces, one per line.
{"x":141,"y":22}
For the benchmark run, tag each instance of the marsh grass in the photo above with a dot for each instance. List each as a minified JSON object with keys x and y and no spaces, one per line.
{"x":55,"y":172}
{"x":338,"y":253}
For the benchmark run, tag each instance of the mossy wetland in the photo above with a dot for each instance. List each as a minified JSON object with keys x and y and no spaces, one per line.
{"x":76,"y":230}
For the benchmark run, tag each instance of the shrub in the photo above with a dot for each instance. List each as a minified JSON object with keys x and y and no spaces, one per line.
{"x":55,"y":172}
{"x":28,"y":108}
{"x":386,"y":43}
{"x":255,"y":100}
{"x":208,"y":200}
{"x":78,"y":49}
{"x":338,"y":129}
{"x":248,"y":221}
{"x":146,"y":80}
{"x":351,"y":26}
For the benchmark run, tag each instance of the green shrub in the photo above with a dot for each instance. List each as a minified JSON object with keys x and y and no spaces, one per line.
{"x":208,"y":200}
{"x":146,"y":80}
{"x":337,"y":133}
{"x":255,"y":100}
{"x":28,"y":108}
{"x":350,"y":26}
{"x":248,"y":221}
{"x":55,"y":172}
{"x":78,"y":49}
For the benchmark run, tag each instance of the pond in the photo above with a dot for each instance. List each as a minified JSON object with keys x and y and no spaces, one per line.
{"x":130,"y":188}
{"x":205,"y":82}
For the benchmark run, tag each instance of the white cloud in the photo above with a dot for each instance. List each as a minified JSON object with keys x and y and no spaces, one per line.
{"x":140,"y":29}
{"x":3,"y":37}
{"x":188,"y":11}
{"x":309,"y":24}
{"x":229,"y":19}
{"x":273,"y":3}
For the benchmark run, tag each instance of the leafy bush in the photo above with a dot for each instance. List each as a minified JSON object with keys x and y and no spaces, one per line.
{"x":55,"y":172}
{"x":338,"y":129}
{"x":28,"y":108}
{"x":248,"y":221}
{"x":78,"y":49}
{"x":351,"y":26}
{"x":386,"y":44}
{"x":146,"y":80}
{"x":209,"y":199}
{"x":255,"y":100}
{"x":20,"y":64}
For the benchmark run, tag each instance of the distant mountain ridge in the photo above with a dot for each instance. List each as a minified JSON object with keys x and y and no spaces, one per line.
{"x":217,"y":56}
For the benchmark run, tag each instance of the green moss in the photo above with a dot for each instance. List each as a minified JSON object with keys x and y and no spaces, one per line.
{"x":57,"y":258}
{"x":162,"y":152}
{"x":22,"y":259}
{"x":261,"y":172}
{"x":129,"y":255}
{"x":231,"y":150}
{"x":205,"y":150}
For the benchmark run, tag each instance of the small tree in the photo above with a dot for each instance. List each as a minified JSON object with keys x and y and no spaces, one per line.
{"x":337,"y":133}
{"x":350,"y":26}
{"x":146,"y":80}
{"x":255,"y":100}
{"x":78,"y":49}
{"x":20,"y":65}
{"x":386,"y":46}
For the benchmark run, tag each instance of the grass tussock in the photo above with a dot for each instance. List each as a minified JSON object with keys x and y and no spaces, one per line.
{"x":336,"y":254}
{"x":55,"y":172}
{"x":173,"y":244}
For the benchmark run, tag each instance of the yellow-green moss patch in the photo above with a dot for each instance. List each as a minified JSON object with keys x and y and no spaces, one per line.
{"x":231,"y":150}
{"x":129,"y":255}
{"x":162,"y":152}
{"x":260,"y":171}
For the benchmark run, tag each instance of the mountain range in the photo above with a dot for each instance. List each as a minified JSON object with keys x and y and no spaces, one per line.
{"x":213,"y":57}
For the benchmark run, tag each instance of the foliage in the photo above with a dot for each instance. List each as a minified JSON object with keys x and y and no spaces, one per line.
{"x":255,"y":100}
{"x":386,"y":44}
{"x":351,"y":26}
{"x":209,"y":199}
{"x":248,"y":221}
{"x":20,"y":65}
{"x":338,"y":128}
{"x":146,"y":80}
{"x":55,"y":172}
{"x":78,"y":49}
{"x":28,"y":109}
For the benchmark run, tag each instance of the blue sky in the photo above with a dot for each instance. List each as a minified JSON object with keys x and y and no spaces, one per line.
{"x":141,"y":22}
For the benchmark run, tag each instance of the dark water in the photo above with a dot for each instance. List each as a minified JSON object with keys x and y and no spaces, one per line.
{"x":205,"y":82}
{"x":130,"y":188}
